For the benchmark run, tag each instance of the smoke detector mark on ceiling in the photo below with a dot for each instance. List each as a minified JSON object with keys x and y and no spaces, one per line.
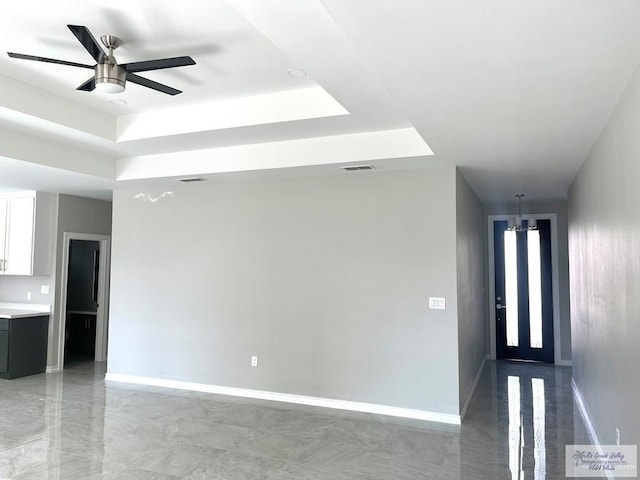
{"x":356,"y":168}
{"x":296,"y":72}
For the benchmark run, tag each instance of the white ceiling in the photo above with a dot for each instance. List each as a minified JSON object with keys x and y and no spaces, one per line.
{"x":515,"y":93}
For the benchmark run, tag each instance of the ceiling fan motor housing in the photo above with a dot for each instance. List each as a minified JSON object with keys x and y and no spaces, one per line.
{"x":110,"y":77}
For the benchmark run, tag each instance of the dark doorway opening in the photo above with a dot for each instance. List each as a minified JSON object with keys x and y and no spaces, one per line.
{"x":82,"y":301}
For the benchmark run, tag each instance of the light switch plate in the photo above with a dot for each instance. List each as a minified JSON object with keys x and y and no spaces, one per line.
{"x":44,"y":289}
{"x":437,"y":303}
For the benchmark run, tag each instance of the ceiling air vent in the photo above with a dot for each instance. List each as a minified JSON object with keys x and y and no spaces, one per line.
{"x":191,"y":179}
{"x":355,"y":168}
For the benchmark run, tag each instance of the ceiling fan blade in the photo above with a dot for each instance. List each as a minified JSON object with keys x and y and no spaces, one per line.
{"x":158,"y":64}
{"x":87,"y":40}
{"x":89,"y":85}
{"x":145,"y":82}
{"x":48,"y":60}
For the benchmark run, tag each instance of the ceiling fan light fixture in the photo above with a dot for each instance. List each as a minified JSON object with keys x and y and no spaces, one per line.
{"x":107,"y":86}
{"x":108,"y":75}
{"x":110,"y":78}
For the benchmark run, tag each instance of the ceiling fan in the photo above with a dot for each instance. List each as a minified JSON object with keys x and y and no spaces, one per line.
{"x":109,"y":76}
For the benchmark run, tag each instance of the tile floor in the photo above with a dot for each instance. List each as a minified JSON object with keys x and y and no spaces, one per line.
{"x":71,"y":426}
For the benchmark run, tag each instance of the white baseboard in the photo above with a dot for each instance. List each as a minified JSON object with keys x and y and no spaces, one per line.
{"x":593,"y":435}
{"x":584,"y":413}
{"x":52,"y":369}
{"x":471,"y":391}
{"x":562,"y":363}
{"x":289,"y":398}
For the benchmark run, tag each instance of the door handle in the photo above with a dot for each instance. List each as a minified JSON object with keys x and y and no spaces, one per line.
{"x":93,"y":279}
{"x":501,"y":307}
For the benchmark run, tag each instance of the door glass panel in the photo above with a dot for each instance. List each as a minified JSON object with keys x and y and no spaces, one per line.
{"x":511,"y":286}
{"x":535,"y":288}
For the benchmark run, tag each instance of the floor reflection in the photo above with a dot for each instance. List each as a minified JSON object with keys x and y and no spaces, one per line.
{"x":539,"y":443}
{"x":517,"y":423}
{"x":520,"y":419}
{"x":515,"y":430}
{"x":73,"y":426}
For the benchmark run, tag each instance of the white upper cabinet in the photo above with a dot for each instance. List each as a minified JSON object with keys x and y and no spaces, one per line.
{"x":26,"y":233}
{"x":3,"y":235}
{"x":18,"y":249}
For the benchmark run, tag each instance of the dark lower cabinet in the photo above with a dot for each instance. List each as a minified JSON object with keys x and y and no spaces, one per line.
{"x":4,"y":350}
{"x":81,"y":334}
{"x":23,"y":346}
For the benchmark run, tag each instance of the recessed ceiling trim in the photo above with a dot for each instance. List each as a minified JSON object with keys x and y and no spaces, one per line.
{"x":46,"y":151}
{"x":337,"y":149}
{"x":299,"y":104}
{"x":29,"y":101}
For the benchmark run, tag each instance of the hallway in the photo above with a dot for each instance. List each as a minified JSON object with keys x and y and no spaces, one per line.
{"x":71,"y":426}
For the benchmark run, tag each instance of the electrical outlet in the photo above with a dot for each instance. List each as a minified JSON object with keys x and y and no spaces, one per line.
{"x":28,"y":295}
{"x":618,"y":436}
{"x":254,"y":361}
{"x":437,"y":303}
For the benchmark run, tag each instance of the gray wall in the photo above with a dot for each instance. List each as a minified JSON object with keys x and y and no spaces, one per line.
{"x":470,"y":277}
{"x":559,"y":207}
{"x":14,"y":289}
{"x":604,"y":246}
{"x":325,"y":279}
{"x":77,"y":215}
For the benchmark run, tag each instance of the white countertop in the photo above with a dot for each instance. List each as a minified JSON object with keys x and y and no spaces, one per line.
{"x":22,"y":310}
{"x":16,"y":313}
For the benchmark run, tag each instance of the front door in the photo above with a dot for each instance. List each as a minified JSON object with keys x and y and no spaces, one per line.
{"x":524,"y":302}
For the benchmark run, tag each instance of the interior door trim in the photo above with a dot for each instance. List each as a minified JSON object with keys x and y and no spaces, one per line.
{"x":553,"y":218}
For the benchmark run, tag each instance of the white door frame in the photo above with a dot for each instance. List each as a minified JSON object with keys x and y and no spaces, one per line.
{"x":554,"y":280}
{"x":102,"y":313}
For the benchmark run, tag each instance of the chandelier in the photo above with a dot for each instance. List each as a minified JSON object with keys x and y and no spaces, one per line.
{"x":515,"y":223}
